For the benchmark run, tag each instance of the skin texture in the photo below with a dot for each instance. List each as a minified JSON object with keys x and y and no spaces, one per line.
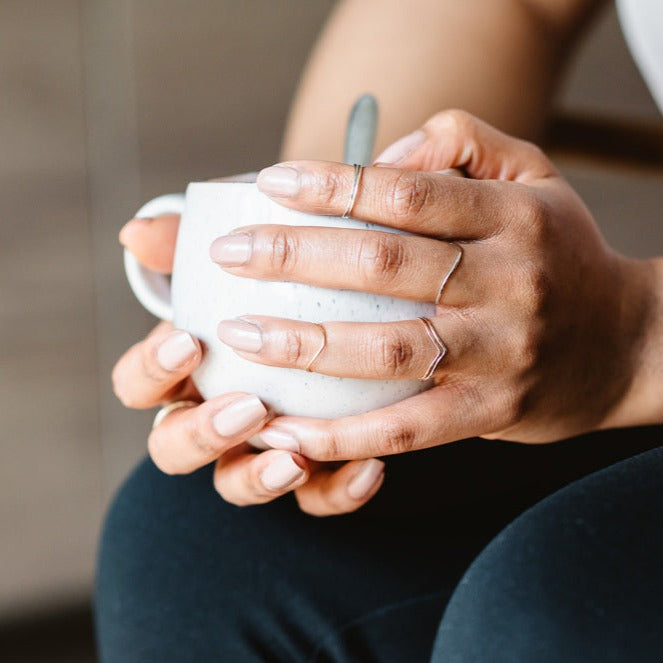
{"x":436,"y":33}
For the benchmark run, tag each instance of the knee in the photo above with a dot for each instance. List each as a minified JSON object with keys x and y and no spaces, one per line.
{"x":575,"y":578}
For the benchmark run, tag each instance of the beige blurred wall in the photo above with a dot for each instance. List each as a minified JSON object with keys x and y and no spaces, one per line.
{"x":103,"y":104}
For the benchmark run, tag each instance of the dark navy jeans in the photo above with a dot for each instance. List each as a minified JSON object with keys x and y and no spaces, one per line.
{"x":478,"y":551}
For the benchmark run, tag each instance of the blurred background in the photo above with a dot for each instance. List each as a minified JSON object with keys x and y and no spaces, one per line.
{"x":105,"y":104}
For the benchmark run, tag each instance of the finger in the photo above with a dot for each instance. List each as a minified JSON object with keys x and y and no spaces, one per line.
{"x":456,"y":139}
{"x":402,"y":350}
{"x":426,"y":203}
{"x":155,"y":369}
{"x":152,"y":241}
{"x":382,"y":262}
{"x":244,"y":477}
{"x":331,"y":492}
{"x":454,"y":410}
{"x":189,"y":438}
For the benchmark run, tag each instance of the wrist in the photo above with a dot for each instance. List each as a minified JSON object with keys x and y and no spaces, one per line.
{"x":642,"y":313}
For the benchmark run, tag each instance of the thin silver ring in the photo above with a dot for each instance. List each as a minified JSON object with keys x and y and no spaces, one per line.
{"x":321,"y":348}
{"x":358,"y":172}
{"x":452,"y":269}
{"x":167,"y":409}
{"x":439,"y":346}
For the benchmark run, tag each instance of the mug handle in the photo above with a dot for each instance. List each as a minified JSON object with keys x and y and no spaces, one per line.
{"x":152,"y":289}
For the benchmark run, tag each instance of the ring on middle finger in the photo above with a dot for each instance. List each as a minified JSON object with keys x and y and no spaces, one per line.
{"x":452,"y":269}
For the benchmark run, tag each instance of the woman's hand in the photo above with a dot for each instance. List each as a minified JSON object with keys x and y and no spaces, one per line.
{"x":156,"y":371}
{"x":545,"y":325}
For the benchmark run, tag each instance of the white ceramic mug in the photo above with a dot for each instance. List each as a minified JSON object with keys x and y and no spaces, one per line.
{"x":202,"y":294}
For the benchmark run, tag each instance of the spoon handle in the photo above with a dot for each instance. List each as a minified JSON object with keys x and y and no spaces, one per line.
{"x":361,"y":129}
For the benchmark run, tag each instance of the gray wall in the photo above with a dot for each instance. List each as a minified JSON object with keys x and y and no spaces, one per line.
{"x":103,"y":105}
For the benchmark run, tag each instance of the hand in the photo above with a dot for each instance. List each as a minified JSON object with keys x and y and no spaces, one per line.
{"x":156,"y":371}
{"x":543,"y":321}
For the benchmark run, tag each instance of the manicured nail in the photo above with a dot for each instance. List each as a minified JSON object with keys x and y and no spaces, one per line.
{"x":370,"y":472}
{"x":279,"y":181}
{"x":240,"y":334}
{"x":401,"y":148}
{"x":281,"y":473}
{"x":278,"y":439}
{"x":232,"y":250}
{"x":239,"y":416}
{"x":176,"y":351}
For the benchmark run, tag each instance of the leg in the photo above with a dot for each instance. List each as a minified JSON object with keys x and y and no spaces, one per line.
{"x":578,"y":577}
{"x":184,"y":576}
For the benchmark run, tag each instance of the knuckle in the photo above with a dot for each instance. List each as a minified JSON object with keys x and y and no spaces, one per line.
{"x":534,"y":214}
{"x":308,"y":504}
{"x":292,"y":347}
{"x":158,"y":454}
{"x":127,"y":396}
{"x":395,"y":437}
{"x":331,"y":444}
{"x":395,"y":354}
{"x":535,"y":290}
{"x":452,"y":119}
{"x":283,"y":248}
{"x":333,"y":188}
{"x":409,"y":194}
{"x":382,"y":257}
{"x":220,"y":486}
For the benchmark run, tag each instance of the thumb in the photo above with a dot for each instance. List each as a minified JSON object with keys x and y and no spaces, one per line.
{"x":152,"y":241}
{"x":456,"y":139}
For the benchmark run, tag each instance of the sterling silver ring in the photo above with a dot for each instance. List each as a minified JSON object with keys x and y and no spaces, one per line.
{"x":358,"y":172}
{"x":167,"y":409}
{"x":321,"y":348}
{"x":452,"y":269}
{"x":440,"y":347}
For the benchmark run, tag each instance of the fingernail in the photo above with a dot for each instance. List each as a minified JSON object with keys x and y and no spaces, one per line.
{"x":240,"y":334}
{"x":401,"y":148}
{"x":232,"y":250}
{"x":176,"y":351}
{"x":279,"y":181}
{"x":129,"y":228}
{"x":278,"y":439}
{"x":367,"y":477}
{"x":281,"y":472}
{"x":239,"y":416}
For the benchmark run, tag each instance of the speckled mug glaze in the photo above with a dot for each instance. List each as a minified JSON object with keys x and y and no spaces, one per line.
{"x":203,"y":294}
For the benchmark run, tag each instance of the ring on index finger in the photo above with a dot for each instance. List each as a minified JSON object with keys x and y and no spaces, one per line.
{"x":167,"y":409}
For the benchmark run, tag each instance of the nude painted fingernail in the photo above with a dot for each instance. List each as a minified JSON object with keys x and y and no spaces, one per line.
{"x":278,"y":439}
{"x":232,"y":250}
{"x":279,"y":181}
{"x":176,"y":351}
{"x":281,"y":473}
{"x":240,"y":334}
{"x":367,"y":477}
{"x":239,"y":416}
{"x":401,"y":148}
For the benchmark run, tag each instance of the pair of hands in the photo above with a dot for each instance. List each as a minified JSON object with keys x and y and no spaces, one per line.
{"x":543,"y":321}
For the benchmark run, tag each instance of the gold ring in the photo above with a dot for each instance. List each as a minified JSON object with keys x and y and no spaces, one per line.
{"x":167,"y":409}
{"x":439,"y":346}
{"x":321,"y":348}
{"x":358,"y":172}
{"x":452,"y":269}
